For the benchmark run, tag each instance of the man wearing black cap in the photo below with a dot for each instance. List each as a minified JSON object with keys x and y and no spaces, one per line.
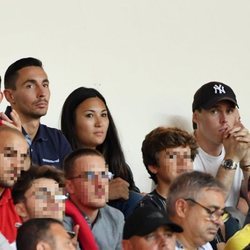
{"x":222,"y":139}
{"x":148,"y":228}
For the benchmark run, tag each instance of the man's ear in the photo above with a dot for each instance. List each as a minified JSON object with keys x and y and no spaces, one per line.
{"x":70,"y":188}
{"x":126,"y":245}
{"x":195,"y":118}
{"x":42,"y":245}
{"x":22,"y":211}
{"x":153,"y":169}
{"x":8,"y":93}
{"x":181,"y":208}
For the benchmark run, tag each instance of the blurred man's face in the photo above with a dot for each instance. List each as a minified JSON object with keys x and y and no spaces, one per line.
{"x":89,"y":183}
{"x":44,"y":199}
{"x":171,"y":163}
{"x":13,"y":157}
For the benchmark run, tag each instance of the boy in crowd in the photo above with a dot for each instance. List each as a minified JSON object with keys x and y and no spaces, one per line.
{"x":167,"y":152}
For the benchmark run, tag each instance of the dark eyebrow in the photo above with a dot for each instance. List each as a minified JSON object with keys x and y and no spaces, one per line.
{"x":33,"y":81}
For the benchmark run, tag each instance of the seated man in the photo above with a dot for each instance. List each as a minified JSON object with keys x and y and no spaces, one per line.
{"x":196,"y":201}
{"x":148,"y":228}
{"x":167,"y":152}
{"x":43,"y":233}
{"x":13,"y":159}
{"x":28,"y":93}
{"x":87,"y":184}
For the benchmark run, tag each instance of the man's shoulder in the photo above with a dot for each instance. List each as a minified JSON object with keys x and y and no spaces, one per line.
{"x":111,"y":212}
{"x":51,"y":133}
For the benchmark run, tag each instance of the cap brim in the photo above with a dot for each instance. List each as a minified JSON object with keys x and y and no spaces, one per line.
{"x":160,"y":223}
{"x":214,"y":101}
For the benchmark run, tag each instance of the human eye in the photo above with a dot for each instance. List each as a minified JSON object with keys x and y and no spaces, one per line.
{"x":150,"y":237}
{"x":213,"y":110}
{"x":45,"y":84}
{"x":104,"y":114}
{"x":29,"y":86}
{"x":230,"y":110}
{"x":89,"y":115}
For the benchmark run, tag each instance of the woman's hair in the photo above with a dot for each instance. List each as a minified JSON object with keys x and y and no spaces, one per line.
{"x":110,"y":148}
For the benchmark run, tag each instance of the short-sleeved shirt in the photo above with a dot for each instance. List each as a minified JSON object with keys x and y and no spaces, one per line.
{"x":48,"y":147}
{"x":8,"y":216}
{"x":210,"y":164}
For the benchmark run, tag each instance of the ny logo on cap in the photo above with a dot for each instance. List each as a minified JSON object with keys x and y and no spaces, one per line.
{"x":219,"y":88}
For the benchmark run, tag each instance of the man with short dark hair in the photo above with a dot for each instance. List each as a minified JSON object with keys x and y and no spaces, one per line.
{"x":27,"y":91}
{"x":148,"y":228}
{"x":87,"y":185}
{"x":43,"y":233}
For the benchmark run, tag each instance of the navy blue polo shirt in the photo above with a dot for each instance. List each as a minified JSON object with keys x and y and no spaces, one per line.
{"x":49,"y":146}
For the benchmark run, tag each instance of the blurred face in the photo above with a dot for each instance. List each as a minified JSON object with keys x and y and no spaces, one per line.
{"x":91,"y":122}
{"x":172,"y":162}
{"x":31,"y":97}
{"x":88,"y":187}
{"x":13,"y":158}
{"x":44,"y":199}
{"x":212,"y":123}
{"x":60,"y":239}
{"x":161,"y":239}
{"x":200,"y":223}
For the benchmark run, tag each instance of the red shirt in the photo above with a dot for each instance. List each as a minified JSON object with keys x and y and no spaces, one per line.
{"x":8,"y":216}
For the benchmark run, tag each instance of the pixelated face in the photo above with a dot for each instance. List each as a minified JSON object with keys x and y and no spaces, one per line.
{"x":172,"y":162}
{"x":61,"y":239}
{"x":202,"y":220}
{"x":89,"y":183}
{"x":161,"y":238}
{"x":14,"y":157}
{"x":91,"y":122}
{"x":45,"y":199}
{"x":31,"y":96}
{"x":212,"y":123}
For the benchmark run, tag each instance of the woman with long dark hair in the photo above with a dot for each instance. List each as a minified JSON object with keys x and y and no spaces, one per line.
{"x":87,"y":122}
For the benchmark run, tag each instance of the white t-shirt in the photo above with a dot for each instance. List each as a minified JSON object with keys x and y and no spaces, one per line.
{"x":210,"y":164}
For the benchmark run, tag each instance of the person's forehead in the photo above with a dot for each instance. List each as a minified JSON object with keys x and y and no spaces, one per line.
{"x":180,"y":149}
{"x":46,"y":183}
{"x":89,"y":163}
{"x":30,"y":71}
{"x":59,"y":230}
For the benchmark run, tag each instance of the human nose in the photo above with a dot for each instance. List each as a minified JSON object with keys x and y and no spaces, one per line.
{"x":98,"y":121}
{"x":41,"y":91}
{"x":223,"y":117}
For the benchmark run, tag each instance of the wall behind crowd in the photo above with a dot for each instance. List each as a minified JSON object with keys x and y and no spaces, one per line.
{"x":147,"y":57}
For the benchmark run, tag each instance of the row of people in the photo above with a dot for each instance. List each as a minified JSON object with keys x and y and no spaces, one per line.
{"x":223,"y":141}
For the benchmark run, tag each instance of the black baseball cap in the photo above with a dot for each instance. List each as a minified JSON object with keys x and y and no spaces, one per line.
{"x":144,"y":220}
{"x":211,"y":93}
